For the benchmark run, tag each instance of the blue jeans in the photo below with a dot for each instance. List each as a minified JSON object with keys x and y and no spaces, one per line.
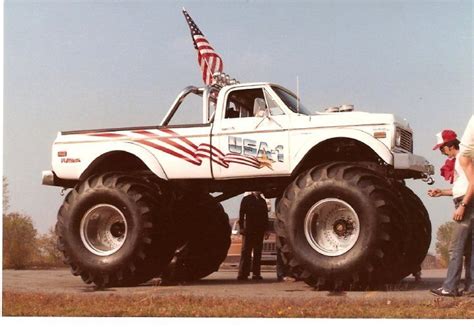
{"x":461,"y":234}
{"x":467,"y":253}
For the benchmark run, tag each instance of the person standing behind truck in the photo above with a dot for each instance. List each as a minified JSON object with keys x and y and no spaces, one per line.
{"x":448,"y":144}
{"x":253,"y":222}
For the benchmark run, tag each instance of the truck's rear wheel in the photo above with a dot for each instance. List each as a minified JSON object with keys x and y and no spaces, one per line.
{"x":420,"y":231}
{"x":341,"y":227}
{"x":113,"y":230}
{"x":206,"y":243}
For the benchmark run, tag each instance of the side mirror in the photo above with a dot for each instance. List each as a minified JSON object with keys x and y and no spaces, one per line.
{"x":267,"y":113}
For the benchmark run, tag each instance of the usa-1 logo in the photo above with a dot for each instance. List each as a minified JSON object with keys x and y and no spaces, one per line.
{"x":253,"y":148}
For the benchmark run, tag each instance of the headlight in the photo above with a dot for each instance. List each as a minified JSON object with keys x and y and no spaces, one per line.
{"x":398,"y":137}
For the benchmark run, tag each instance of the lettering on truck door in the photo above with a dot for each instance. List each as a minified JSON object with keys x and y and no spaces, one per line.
{"x":251,"y":135}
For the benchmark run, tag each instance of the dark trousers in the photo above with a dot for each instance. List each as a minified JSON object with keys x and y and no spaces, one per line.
{"x":251,"y":242}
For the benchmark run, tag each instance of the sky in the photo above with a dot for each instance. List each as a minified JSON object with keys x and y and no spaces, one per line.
{"x":99,"y":64}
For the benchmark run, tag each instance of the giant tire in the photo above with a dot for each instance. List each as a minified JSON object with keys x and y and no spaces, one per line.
{"x":345,"y":198}
{"x":114,"y":231}
{"x":205,"y":234}
{"x":279,"y":242}
{"x":420,"y":230}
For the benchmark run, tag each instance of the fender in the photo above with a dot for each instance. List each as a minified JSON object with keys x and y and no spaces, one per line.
{"x":138,"y":151}
{"x":96,"y":151}
{"x":315,"y":138}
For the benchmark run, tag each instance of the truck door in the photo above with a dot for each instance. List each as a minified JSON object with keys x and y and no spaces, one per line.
{"x":251,"y":135}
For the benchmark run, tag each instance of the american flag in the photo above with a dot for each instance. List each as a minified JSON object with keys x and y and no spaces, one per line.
{"x":209,"y":61}
{"x":178,"y":146}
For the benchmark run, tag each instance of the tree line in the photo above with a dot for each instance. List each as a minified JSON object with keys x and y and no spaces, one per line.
{"x":24,"y":247}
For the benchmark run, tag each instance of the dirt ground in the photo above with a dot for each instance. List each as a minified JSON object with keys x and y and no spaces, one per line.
{"x":46,"y":293}
{"x":219,"y":284}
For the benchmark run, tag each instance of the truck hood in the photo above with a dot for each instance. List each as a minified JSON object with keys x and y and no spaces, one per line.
{"x":351,"y":119}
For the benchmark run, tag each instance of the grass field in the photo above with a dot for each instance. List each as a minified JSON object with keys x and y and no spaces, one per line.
{"x":111,"y":305}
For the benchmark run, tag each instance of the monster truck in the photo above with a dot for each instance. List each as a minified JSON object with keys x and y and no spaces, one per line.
{"x":145,"y":201}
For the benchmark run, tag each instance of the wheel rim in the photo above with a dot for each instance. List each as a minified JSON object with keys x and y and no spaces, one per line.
{"x":103,"y":229}
{"x":331,"y":227}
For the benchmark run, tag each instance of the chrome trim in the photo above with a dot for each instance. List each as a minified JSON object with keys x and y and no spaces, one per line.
{"x":406,"y":142}
{"x":177,"y":102}
{"x":97,"y":229}
{"x":412,"y":162}
{"x":331,"y":227}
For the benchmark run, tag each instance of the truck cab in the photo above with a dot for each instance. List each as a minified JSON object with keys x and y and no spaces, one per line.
{"x":250,"y":130}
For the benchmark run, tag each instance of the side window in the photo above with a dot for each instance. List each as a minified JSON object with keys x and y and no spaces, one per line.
{"x":251,"y":103}
{"x":245,"y":103}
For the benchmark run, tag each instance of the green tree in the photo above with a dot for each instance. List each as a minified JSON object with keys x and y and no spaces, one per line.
{"x":19,"y":240}
{"x":443,"y":238}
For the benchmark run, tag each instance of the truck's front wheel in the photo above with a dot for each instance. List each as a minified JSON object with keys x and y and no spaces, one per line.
{"x":112,"y":231}
{"x":341,"y":227}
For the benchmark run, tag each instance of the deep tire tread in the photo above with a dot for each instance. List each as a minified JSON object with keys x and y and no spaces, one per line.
{"x":148,"y":260}
{"x":385,"y":255}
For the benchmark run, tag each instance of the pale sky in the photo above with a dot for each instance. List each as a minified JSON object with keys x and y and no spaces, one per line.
{"x":78,"y":65}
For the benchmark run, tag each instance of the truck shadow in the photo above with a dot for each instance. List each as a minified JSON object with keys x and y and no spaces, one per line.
{"x":408,"y":284}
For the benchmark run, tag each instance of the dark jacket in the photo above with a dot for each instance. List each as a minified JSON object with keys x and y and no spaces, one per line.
{"x":253,"y":215}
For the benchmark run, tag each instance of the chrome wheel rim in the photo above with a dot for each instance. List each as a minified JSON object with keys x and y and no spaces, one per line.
{"x":331,"y":227}
{"x":103,"y":229}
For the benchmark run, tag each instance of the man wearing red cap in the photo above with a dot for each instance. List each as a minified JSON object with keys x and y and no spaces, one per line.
{"x":460,"y":244}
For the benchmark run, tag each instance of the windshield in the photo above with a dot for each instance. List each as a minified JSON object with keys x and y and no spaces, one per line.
{"x":291,"y":101}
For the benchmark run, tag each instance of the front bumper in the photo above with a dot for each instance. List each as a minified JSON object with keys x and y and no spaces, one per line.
{"x":48,"y":177}
{"x":412,"y":162}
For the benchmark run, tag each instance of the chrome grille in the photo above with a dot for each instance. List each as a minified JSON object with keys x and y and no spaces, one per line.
{"x":406,"y":140}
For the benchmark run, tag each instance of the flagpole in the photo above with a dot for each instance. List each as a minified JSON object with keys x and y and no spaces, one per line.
{"x":203,"y":57}
{"x":208,"y":69}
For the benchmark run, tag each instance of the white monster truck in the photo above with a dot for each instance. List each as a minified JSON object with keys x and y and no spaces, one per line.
{"x":140,"y":204}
